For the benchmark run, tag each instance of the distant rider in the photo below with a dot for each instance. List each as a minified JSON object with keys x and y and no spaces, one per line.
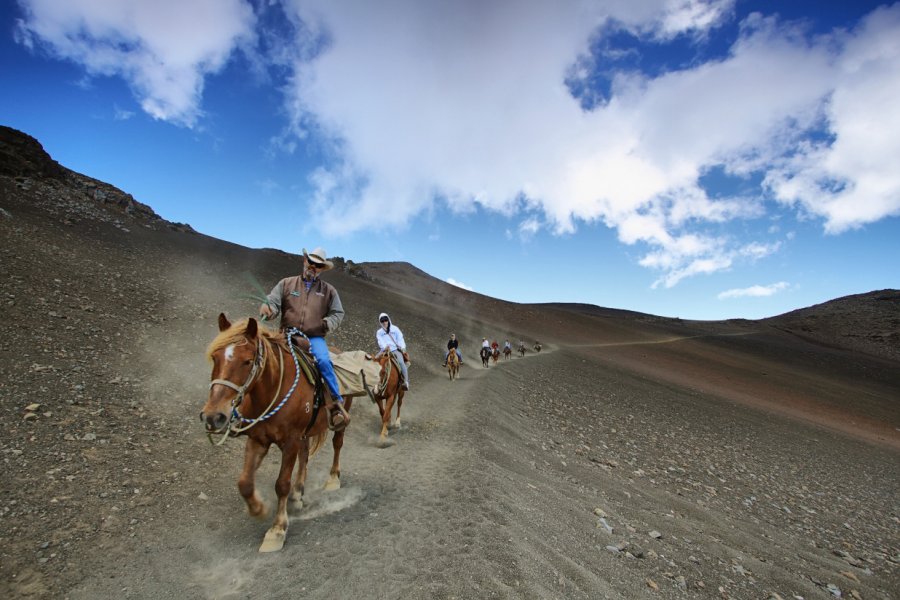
{"x":390,"y":338}
{"x":453,"y":344}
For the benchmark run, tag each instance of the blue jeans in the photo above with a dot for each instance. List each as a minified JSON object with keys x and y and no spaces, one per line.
{"x":319,"y":350}
{"x":447,"y":353}
{"x":403,"y":369}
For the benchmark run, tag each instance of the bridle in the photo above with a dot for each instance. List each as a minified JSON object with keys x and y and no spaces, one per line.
{"x":259,"y":363}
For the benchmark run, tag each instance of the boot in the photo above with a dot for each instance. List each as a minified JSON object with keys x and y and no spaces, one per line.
{"x":338,"y":417}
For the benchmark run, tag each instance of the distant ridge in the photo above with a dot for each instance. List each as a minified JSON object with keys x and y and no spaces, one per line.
{"x":868,"y":322}
{"x":66,"y":193}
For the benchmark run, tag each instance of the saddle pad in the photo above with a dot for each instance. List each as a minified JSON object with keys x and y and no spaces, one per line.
{"x":348,"y":366}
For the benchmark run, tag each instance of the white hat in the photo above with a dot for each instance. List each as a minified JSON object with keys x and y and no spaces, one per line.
{"x":318,"y":255}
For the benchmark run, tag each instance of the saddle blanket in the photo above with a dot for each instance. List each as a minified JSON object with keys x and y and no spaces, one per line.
{"x":350,"y":366}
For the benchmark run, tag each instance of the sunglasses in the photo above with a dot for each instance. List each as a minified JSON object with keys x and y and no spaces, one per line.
{"x":315,"y":265}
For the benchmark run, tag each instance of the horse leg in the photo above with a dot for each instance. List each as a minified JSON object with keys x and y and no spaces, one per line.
{"x":399,"y":404}
{"x":299,"y":487}
{"x":254,"y":452}
{"x":274,"y":540}
{"x":386,"y":419}
{"x":337,"y":442}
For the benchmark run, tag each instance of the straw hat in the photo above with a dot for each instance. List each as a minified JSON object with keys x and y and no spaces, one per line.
{"x":318,"y":255}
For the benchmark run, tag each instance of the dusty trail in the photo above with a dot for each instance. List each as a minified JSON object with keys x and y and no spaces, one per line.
{"x":403,"y":512}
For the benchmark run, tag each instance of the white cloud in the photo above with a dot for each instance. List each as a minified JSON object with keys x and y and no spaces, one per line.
{"x":164,"y":49}
{"x":754,"y":291}
{"x":854,"y":180}
{"x":459,"y":284}
{"x":121,"y":114}
{"x":467,"y":103}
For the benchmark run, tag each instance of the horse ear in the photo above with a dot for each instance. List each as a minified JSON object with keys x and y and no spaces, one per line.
{"x":252,"y":328}
{"x":224,"y":323}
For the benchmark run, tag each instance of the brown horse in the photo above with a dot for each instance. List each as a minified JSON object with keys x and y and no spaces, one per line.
{"x":389,"y":392}
{"x":258,"y":391}
{"x":507,"y":352}
{"x":495,"y":355}
{"x":453,"y":364}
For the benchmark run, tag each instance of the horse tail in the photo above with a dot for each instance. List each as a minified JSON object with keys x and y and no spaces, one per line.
{"x":316,"y":442}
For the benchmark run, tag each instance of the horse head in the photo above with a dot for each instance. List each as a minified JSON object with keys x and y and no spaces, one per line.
{"x":236,"y":361}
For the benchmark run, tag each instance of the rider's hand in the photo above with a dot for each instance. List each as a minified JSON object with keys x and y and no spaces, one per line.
{"x":265,"y":310}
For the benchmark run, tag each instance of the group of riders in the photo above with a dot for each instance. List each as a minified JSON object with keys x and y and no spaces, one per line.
{"x":491,"y":348}
{"x":311,"y":308}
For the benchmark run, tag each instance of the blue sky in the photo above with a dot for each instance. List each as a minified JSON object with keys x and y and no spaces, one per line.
{"x":703,"y":159}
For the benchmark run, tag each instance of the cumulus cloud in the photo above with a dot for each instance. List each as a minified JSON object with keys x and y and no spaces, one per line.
{"x":754,"y":291}
{"x":854,"y":180}
{"x":459,"y":284}
{"x":466,"y":104}
{"x":164,"y":49}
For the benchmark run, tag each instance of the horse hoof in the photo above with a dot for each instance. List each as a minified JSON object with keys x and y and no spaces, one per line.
{"x":273,"y":542}
{"x":333,"y":483}
{"x":395,"y":425}
{"x":262,"y":514}
{"x":384,"y":442}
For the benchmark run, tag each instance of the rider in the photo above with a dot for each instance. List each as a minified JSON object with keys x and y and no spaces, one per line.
{"x":390,"y":338}
{"x":494,"y":346}
{"x":507,"y":345}
{"x":313,"y":306}
{"x":453,"y":343}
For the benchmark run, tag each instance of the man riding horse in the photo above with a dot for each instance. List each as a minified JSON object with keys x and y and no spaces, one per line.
{"x":453,"y":344}
{"x":312,"y":306}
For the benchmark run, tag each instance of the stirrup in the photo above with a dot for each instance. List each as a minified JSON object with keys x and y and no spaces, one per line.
{"x":338,"y":413}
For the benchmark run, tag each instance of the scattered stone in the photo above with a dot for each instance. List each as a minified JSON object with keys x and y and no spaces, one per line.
{"x":835,"y":590}
{"x":32,"y":407}
{"x":89,"y":437}
{"x":600,"y":512}
{"x":655,"y":534}
{"x":652,"y":585}
{"x":202,"y":496}
{"x":602,"y":523}
{"x":850,"y":575}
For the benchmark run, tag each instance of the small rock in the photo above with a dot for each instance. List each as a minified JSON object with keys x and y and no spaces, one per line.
{"x":835,"y":590}
{"x":32,"y":407}
{"x":30,"y":416}
{"x":202,"y":496}
{"x":652,"y":585}
{"x":600,"y":512}
{"x":655,"y":534}
{"x":850,"y":575}
{"x":89,"y":437}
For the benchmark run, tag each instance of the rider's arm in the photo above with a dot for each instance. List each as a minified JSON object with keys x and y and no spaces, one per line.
{"x":273,"y":300}
{"x":381,"y":338}
{"x":335,"y":313}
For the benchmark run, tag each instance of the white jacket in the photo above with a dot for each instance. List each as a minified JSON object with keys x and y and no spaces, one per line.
{"x":392,"y":338}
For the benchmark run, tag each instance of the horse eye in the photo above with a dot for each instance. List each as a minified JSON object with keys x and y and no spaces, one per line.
{"x":248,"y":361}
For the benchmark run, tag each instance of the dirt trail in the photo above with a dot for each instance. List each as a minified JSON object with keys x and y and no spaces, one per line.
{"x":402,"y":512}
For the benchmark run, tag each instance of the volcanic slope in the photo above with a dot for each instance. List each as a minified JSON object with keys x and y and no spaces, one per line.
{"x":635,"y":456}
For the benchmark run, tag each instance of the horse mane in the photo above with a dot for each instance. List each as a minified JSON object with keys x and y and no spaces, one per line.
{"x":236,"y":335}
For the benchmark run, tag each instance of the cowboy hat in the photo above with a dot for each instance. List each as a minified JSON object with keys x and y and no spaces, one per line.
{"x":318,"y":255}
